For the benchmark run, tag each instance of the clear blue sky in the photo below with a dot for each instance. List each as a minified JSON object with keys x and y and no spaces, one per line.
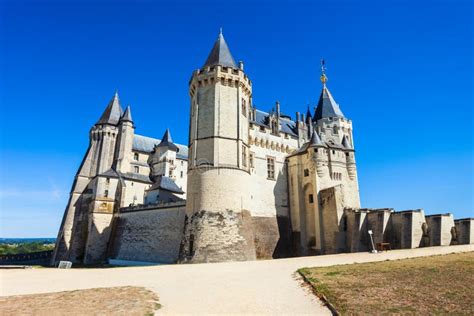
{"x":402,"y":71}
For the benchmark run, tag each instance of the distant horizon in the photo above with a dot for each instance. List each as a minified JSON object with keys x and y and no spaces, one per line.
{"x":401,"y":71}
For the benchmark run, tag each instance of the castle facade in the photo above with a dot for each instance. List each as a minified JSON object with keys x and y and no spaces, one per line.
{"x":249,"y":185}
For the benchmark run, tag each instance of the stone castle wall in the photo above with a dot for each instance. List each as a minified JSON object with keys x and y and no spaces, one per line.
{"x":150,"y":234}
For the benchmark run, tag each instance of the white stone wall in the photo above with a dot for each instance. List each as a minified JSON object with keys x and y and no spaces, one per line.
{"x":269,"y":196}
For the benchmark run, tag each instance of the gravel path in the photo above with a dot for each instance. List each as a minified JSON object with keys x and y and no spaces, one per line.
{"x":256,"y":287}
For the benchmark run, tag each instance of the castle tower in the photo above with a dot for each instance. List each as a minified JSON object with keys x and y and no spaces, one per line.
{"x":125,"y":142}
{"x":75,"y":226}
{"x":326,"y":161}
{"x":218,"y":201}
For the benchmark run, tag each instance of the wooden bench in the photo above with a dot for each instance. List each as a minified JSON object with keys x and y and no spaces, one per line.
{"x":381,"y":246}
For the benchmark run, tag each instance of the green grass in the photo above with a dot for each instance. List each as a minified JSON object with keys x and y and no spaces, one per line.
{"x":429,"y":285}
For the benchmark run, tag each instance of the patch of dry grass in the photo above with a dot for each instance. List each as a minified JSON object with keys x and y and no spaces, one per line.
{"x":429,"y":285}
{"x":125,"y":300}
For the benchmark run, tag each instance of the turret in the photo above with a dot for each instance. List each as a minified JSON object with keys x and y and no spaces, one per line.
{"x":350,"y":158}
{"x":103,"y":136}
{"x":162,"y":161}
{"x":319,"y":156}
{"x":125,"y":142}
{"x":330,"y":121}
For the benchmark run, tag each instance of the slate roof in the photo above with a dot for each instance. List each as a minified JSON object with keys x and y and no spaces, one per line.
{"x":146,"y":144}
{"x":127,"y":116}
{"x":327,"y":107}
{"x":315,"y":140}
{"x":346,"y":143}
{"x":220,"y":54}
{"x":167,"y":141}
{"x":129,"y":176}
{"x":286,"y":125}
{"x":167,"y":184}
{"x":113,"y":112}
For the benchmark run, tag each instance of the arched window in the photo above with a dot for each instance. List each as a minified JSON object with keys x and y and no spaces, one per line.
{"x":136,"y":156}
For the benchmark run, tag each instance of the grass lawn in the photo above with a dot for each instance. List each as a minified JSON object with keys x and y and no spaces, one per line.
{"x":125,"y":300}
{"x":429,"y":285}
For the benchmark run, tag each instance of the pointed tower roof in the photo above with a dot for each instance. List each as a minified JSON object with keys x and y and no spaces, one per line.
{"x":112,"y":113}
{"x":220,"y":54}
{"x":315,"y":140}
{"x":127,"y":116}
{"x":309,"y":117}
{"x":166,"y":141}
{"x":327,"y":106}
{"x":345,"y":142}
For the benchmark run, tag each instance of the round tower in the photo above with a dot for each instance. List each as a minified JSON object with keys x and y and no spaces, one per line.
{"x":218,"y":201}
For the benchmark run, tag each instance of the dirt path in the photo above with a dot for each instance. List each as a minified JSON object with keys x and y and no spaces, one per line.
{"x":126,"y":301}
{"x":256,"y":287}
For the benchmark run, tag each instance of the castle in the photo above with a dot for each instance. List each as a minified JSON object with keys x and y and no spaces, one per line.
{"x":249,"y":184}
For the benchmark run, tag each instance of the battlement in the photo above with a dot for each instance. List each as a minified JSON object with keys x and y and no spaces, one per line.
{"x":226,"y":76}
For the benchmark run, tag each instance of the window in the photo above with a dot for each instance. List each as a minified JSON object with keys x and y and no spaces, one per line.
{"x":316,"y":150}
{"x":251,"y":158}
{"x":182,"y":173}
{"x":107,"y":180}
{"x":244,"y":108}
{"x":274,"y":127}
{"x":347,"y":154}
{"x":136,"y":156}
{"x":334,"y":129}
{"x":333,"y":152}
{"x":136,"y":169}
{"x":106,"y":193}
{"x":182,"y":163}
{"x":244,"y":156}
{"x":271,"y":168}
{"x":262,"y":129}
{"x":306,"y":172}
{"x":311,"y":199}
{"x":170,"y":173}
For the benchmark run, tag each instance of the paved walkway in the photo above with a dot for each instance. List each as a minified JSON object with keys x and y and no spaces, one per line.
{"x":256,"y":287}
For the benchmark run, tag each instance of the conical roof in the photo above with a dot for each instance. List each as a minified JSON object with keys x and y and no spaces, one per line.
{"x":220,"y":54}
{"x":127,"y":116}
{"x":112,"y":113}
{"x":327,"y":107}
{"x":166,"y":141}
{"x":309,"y":117}
{"x":315,"y":140}
{"x":345,"y":142}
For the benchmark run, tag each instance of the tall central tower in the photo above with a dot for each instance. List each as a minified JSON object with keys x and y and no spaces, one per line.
{"x":218,"y":201}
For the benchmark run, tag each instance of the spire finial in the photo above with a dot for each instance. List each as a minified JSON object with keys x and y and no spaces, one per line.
{"x":116,"y":94}
{"x":220,"y":31}
{"x":323,"y":77}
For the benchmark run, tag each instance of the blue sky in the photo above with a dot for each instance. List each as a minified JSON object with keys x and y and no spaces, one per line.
{"x":402,"y":71}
